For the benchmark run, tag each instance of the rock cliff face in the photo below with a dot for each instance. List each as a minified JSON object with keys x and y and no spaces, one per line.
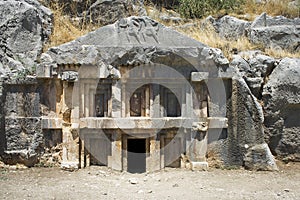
{"x":25,"y":26}
{"x":281,"y":96}
{"x":276,"y":83}
{"x":21,"y":133}
{"x":254,"y":70}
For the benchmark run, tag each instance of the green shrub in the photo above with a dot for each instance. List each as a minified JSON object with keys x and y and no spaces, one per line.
{"x":200,"y":8}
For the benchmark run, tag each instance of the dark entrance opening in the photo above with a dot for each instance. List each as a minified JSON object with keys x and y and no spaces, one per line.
{"x":136,"y":155}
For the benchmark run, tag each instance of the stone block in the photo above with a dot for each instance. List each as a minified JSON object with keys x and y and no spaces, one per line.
{"x":199,"y":166}
{"x":199,"y":76}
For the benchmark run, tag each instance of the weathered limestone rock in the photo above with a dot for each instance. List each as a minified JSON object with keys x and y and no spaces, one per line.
{"x":281,"y":96}
{"x":245,"y":122}
{"x":21,"y":131}
{"x":254,"y":70}
{"x":271,"y":32}
{"x":107,"y":12}
{"x":229,"y":27}
{"x":100,"y":12}
{"x":25,"y":27}
{"x":259,"y":157}
{"x":71,"y":74}
{"x":276,"y":32}
{"x":166,"y":16}
{"x":244,"y":144}
{"x":2,"y":117}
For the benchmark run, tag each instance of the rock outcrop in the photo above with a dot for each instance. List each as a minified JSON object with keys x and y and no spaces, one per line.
{"x":99,"y":12}
{"x":276,"y":32}
{"x":254,"y":70}
{"x":21,"y":133}
{"x":229,"y":27}
{"x":108,"y":12}
{"x":25,"y":26}
{"x":245,"y":145}
{"x":281,"y":97}
{"x":271,"y":32}
{"x":277,"y":84}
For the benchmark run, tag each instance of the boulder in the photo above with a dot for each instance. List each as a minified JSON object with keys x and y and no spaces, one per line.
{"x":276,"y":32}
{"x":259,"y":157}
{"x":281,"y":97}
{"x":25,"y":26}
{"x":105,"y":12}
{"x":229,"y":27}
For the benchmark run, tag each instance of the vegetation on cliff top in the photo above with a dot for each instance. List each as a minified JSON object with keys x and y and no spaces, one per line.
{"x":66,"y":30}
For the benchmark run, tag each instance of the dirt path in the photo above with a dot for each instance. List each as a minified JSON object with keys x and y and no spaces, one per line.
{"x":102,"y":183}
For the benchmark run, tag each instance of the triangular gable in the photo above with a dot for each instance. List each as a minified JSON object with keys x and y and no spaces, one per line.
{"x":136,"y":31}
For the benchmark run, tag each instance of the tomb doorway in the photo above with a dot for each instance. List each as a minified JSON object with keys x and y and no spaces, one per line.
{"x":136,"y":155}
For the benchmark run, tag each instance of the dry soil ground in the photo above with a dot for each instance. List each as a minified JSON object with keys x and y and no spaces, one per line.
{"x":102,"y":183}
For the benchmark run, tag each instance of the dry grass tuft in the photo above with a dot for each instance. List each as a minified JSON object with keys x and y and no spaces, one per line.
{"x":272,"y":8}
{"x":208,"y":36}
{"x":64,"y":29}
{"x":279,"y":53}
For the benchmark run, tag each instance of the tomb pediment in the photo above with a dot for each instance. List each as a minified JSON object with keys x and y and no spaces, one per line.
{"x":132,"y":41}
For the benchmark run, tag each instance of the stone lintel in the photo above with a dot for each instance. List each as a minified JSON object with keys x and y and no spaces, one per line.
{"x":137,"y":123}
{"x":199,"y":76}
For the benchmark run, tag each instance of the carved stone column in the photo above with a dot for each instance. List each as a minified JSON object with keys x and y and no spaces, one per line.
{"x":70,"y":158}
{"x":115,"y":161}
{"x":153,"y":161}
